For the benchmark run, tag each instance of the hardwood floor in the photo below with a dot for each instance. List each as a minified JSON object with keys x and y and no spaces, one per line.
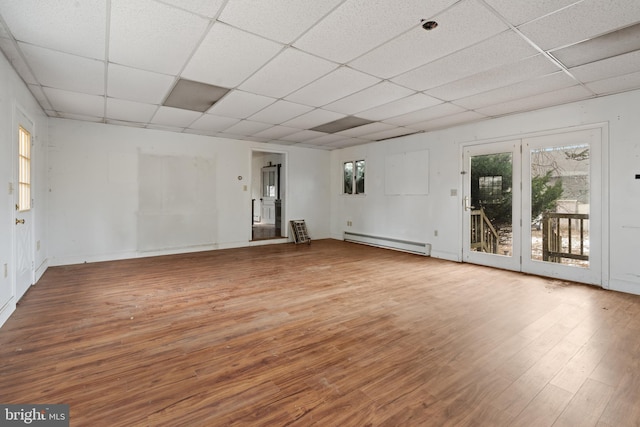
{"x":327,"y":334}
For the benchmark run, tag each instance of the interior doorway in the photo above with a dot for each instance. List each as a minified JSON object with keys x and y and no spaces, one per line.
{"x":268,"y":195}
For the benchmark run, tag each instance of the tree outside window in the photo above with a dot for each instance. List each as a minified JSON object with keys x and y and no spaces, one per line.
{"x":353,"y":177}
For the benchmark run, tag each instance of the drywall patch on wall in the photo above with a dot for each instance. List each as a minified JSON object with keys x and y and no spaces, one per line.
{"x":176,"y":202}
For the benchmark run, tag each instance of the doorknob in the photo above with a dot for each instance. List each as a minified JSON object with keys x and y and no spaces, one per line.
{"x":467,"y":205}
{"x":19,"y":221}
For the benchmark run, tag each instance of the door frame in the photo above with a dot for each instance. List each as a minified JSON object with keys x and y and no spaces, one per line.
{"x":511,"y":262}
{"x":284,"y":178}
{"x":600,"y":174}
{"x":18,"y":114}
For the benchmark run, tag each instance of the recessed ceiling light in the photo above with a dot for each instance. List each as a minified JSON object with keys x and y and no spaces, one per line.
{"x":429,"y":25}
{"x":608,"y":45}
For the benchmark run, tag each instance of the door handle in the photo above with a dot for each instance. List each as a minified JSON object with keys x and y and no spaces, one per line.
{"x":19,"y":221}
{"x":467,"y":205}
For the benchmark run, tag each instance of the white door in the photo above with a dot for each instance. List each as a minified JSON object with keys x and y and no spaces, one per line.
{"x":534,"y":205}
{"x":563,"y":240}
{"x":491,"y":226}
{"x":269,"y":194}
{"x":23,"y":236}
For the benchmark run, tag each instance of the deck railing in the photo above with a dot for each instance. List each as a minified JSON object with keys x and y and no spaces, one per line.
{"x":564,"y":236}
{"x":484,"y":237}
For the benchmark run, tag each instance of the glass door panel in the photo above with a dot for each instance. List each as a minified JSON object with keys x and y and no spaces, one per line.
{"x":561,"y":206}
{"x":490,"y":197}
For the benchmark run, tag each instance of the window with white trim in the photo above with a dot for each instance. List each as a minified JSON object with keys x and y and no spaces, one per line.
{"x":353,"y":177}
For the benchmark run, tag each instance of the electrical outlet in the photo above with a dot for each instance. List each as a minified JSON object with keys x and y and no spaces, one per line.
{"x":435,"y":233}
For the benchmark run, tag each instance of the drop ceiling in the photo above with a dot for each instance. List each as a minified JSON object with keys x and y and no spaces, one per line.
{"x":295,"y":72}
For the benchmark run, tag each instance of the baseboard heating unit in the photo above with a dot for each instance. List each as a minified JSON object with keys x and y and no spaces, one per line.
{"x":389,"y":243}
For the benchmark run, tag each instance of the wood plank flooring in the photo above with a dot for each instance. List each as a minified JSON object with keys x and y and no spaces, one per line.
{"x":327,"y":334}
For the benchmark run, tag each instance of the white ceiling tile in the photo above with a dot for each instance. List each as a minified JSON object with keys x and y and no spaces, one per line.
{"x":313,"y":118}
{"x":358,"y":26}
{"x":166,"y":128}
{"x":612,"y":44}
{"x":4,"y":32}
{"x":137,"y":85}
{"x":339,"y":83}
{"x":523,"y":89}
{"x":240,"y":105}
{"x":399,"y":107}
{"x":276,"y":132}
{"x":65,"y":71}
{"x":498,"y":77}
{"x":581,"y":21}
{"x":302,"y":136}
{"x":79,"y":117}
{"x":498,"y":50}
{"x":213,"y":123}
{"x":279,"y":142}
{"x":317,"y":147}
{"x":425,"y":114}
{"x":391,"y":133}
{"x":610,"y":67}
{"x":75,"y":103}
{"x":174,"y":117}
{"x":348,"y":142}
{"x":227,"y":56}
{"x":561,"y":96}
{"x":447,"y":121}
{"x":153,"y":36}
{"x":379,"y":94}
{"x":616,"y":84}
{"x":520,"y":11}
{"x":202,"y":132}
{"x":247,"y":127}
{"x":125,"y":123}
{"x":287,"y":72}
{"x":418,"y":47}
{"x":208,"y":8}
{"x":10,"y":50}
{"x":280,"y":112}
{"x":367,"y":129}
{"x":71,"y":26}
{"x":283,"y":20}
{"x":327,"y":139}
{"x":40,"y":96}
{"x":121,"y":109}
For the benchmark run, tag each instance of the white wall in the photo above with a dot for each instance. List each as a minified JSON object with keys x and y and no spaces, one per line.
{"x":417,"y":217}
{"x":103,"y":204}
{"x":14,"y":94}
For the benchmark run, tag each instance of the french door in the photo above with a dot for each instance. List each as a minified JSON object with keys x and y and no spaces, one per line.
{"x":534,"y":205}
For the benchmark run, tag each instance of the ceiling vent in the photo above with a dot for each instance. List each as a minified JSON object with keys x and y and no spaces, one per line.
{"x":339,"y":125}
{"x":195,"y":96}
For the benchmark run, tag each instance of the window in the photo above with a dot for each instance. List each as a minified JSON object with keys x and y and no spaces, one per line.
{"x":353,"y":177}
{"x":24,"y":169}
{"x":490,"y":189}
